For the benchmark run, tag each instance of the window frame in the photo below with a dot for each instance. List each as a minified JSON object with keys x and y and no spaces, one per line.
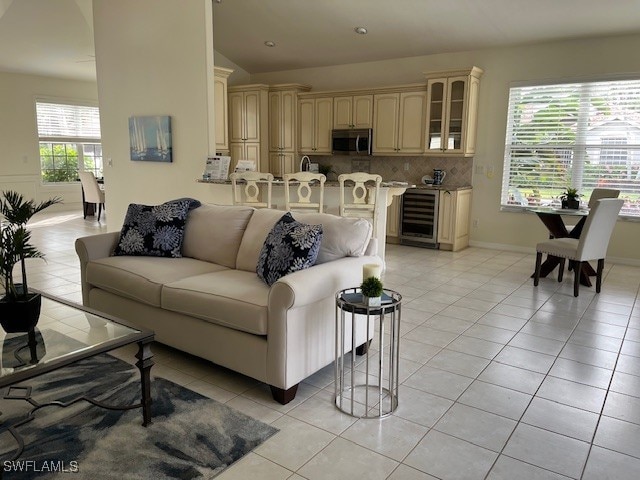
{"x":77,"y":141}
{"x":587,"y":148}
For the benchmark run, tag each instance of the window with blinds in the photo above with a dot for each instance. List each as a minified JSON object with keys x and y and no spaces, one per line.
{"x":69,"y":136}
{"x":581,"y":135}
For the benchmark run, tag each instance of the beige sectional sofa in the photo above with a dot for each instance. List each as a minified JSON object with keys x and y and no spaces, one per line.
{"x":211,"y":303}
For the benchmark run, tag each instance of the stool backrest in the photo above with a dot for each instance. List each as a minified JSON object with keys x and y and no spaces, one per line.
{"x":304,"y":191}
{"x":250,"y":194}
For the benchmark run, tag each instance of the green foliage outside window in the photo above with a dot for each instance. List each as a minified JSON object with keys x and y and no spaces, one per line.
{"x":59,"y":162}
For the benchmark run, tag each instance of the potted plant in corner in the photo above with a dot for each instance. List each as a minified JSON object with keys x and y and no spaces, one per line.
{"x":570,"y":198}
{"x":371,"y":289}
{"x":19,"y":309}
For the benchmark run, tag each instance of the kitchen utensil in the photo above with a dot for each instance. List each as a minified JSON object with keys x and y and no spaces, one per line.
{"x":427,"y":180}
{"x":438,"y":176}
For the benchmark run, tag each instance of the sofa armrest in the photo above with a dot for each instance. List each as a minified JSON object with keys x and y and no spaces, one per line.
{"x":301,"y":324}
{"x":318,"y":282}
{"x":92,"y":248}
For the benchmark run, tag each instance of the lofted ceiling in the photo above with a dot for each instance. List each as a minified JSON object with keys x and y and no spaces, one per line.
{"x":55,"y":37}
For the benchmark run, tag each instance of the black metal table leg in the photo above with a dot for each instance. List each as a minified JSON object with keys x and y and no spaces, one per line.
{"x":144,"y":364}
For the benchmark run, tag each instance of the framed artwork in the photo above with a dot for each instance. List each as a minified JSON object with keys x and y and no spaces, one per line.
{"x":150,"y":138}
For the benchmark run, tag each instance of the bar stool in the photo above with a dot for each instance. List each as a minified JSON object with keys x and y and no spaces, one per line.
{"x":304,"y":191}
{"x":251,"y":191}
{"x":364,"y":191}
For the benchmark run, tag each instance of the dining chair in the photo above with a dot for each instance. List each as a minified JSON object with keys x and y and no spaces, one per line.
{"x":92,"y":193}
{"x":250,"y":194}
{"x":365,"y":188}
{"x":304,"y":191}
{"x":592,"y":244}
{"x":598,"y":194}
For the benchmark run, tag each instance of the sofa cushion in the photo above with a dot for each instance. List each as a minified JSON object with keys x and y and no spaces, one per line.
{"x":289,"y":247}
{"x":341,"y":236}
{"x":154,"y":230}
{"x":213,"y":233}
{"x":232,"y":298}
{"x":141,"y":278}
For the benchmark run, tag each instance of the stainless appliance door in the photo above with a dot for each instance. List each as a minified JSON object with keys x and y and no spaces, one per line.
{"x":351,"y":142}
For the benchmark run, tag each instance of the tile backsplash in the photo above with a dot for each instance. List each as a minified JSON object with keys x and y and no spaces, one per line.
{"x":402,"y":169}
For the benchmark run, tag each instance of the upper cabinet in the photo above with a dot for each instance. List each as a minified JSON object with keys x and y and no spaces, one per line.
{"x":248,"y":125}
{"x":283,"y":101}
{"x":398,"y":123}
{"x":452,"y":112}
{"x":315,"y":122}
{"x":353,"y":112}
{"x":221,"y":109}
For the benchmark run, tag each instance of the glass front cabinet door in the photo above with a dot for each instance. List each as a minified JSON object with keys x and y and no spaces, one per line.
{"x":452,"y":110}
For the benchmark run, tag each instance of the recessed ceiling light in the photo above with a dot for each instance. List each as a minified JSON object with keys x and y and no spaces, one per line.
{"x":360,"y":30}
{"x":269,"y":43}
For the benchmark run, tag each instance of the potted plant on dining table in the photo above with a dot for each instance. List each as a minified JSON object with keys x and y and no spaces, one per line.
{"x":570,"y":198}
{"x":19,"y":308}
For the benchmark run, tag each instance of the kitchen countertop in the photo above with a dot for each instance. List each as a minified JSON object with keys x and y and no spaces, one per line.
{"x":451,"y":188}
{"x":278,"y":181}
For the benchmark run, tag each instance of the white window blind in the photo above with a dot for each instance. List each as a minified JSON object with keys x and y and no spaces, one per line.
{"x":69,"y":140}
{"x":68,"y":123}
{"x":583,"y":135}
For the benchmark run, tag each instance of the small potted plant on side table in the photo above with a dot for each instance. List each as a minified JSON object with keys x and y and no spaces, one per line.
{"x":570,"y":199}
{"x":371,"y":289}
{"x":19,"y":309}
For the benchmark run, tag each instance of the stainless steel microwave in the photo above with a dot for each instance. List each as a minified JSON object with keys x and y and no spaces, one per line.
{"x":352,"y":142}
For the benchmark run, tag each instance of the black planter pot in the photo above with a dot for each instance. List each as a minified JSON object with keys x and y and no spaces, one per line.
{"x":22,"y":315}
{"x":571,"y":204}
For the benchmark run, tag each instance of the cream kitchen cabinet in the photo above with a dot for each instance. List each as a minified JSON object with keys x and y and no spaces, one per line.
{"x":244,"y":151}
{"x":221,"y":109}
{"x":454,"y":210}
{"x":393,"y":220}
{"x":353,"y":112}
{"x":248,"y":125}
{"x":281,"y":163}
{"x":283,"y":101}
{"x":452,"y":112}
{"x":315,"y":117}
{"x":398,"y":123}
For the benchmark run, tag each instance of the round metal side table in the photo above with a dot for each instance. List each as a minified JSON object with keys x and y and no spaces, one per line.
{"x":372,"y":391}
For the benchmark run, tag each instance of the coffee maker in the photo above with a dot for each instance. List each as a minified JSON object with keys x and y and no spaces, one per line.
{"x":438,"y":176}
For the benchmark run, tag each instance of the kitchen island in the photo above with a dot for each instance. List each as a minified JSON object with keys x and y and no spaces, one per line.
{"x":220,"y":192}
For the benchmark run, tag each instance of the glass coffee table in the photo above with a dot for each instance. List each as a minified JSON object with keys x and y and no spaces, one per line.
{"x":67,"y":333}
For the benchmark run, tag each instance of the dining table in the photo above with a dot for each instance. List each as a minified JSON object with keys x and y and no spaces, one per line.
{"x":553,"y":219}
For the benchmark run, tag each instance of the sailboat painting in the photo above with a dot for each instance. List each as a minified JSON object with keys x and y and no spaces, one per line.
{"x":150,"y":138}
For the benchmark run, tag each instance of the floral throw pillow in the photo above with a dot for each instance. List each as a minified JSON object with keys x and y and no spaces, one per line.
{"x":154,"y":230}
{"x":289,"y":247}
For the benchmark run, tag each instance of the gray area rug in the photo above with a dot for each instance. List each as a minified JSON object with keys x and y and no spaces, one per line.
{"x":191,"y":436}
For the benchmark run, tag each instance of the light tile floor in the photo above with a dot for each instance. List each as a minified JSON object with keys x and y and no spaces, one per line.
{"x":501,"y":380}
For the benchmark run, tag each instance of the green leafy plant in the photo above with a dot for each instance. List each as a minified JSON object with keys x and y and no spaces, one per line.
{"x":15,"y":241}
{"x":371,"y":287}
{"x":570,"y":194}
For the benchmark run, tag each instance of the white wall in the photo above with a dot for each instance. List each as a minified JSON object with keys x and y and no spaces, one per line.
{"x":20,"y":159}
{"x":154,"y":57}
{"x":558,"y":60}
